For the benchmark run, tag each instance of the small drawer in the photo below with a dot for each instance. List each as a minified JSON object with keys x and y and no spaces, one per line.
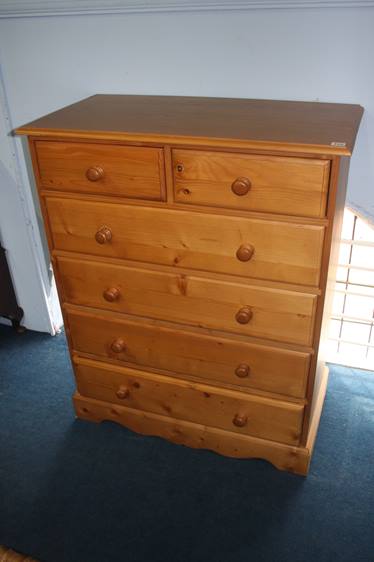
{"x":105,"y":169}
{"x":277,"y":420}
{"x":275,"y":314}
{"x":279,"y":251}
{"x":273,"y":184}
{"x":208,"y":357}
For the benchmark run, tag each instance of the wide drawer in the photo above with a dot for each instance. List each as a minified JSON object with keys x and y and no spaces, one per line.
{"x":293,"y":186}
{"x":127,"y":171}
{"x":267,"y":313}
{"x":209,"y":357}
{"x":239,"y":246}
{"x":227,"y":409}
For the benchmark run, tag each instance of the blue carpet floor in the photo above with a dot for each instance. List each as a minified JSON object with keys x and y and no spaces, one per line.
{"x":72,"y":491}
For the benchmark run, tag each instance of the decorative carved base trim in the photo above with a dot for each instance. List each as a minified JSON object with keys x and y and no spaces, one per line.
{"x":284,"y":457}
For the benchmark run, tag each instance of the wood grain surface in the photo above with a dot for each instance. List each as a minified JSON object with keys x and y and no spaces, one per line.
{"x":285,"y":125}
{"x":284,"y":457}
{"x":128,"y":171}
{"x":200,"y":301}
{"x":293,"y":186}
{"x":283,"y":251}
{"x":191,"y":240}
{"x":200,"y":403}
{"x":211,"y":358}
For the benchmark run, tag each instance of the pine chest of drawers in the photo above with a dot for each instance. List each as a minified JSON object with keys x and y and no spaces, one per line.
{"x":193,"y":242}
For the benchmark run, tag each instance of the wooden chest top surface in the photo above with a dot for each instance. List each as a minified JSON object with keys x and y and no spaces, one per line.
{"x":327,"y":127}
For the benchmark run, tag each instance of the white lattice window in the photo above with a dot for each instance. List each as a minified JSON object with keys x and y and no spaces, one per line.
{"x":351,"y":330}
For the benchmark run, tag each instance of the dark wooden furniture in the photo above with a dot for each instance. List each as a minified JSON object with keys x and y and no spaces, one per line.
{"x":8,"y":302}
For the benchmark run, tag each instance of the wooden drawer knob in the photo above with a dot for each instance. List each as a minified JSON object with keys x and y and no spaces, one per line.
{"x":103,"y":235}
{"x":112,"y":294}
{"x":123,"y":392}
{"x":241,"y":186}
{"x":118,"y":345}
{"x":242,"y":370}
{"x":244,"y":315}
{"x":240,"y":420}
{"x":95,"y":173}
{"x":245,"y":252}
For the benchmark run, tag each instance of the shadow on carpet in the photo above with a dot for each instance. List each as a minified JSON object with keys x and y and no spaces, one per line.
{"x":73,"y":491}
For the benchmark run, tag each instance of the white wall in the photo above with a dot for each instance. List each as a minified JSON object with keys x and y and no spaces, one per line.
{"x":20,"y":235}
{"x":323,"y":54}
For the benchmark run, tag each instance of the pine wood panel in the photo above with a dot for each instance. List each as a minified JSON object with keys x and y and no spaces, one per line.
{"x":294,"y":186}
{"x":276,"y":314}
{"x":284,"y":457}
{"x":337,"y":198}
{"x":213,"y":358}
{"x":128,"y":171}
{"x":204,"y":268}
{"x":282,"y":251}
{"x":282,"y":125}
{"x":195,"y":402}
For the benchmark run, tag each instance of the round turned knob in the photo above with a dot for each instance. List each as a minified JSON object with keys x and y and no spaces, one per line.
{"x":245,"y":252}
{"x":242,"y":370}
{"x":95,"y":173}
{"x":241,"y":186}
{"x":244,"y":315}
{"x":118,"y":345}
{"x":111,"y":294}
{"x":103,"y":235}
{"x":240,"y":420}
{"x":123,"y":392}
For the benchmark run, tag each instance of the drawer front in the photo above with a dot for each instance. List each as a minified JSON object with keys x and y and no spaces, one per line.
{"x":294,"y":186}
{"x":238,"y":246}
{"x":267,"y":313}
{"x":200,"y":403}
{"x":213,"y":358}
{"x":127,"y":171}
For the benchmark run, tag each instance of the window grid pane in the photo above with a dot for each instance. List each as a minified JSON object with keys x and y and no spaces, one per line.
{"x":351,"y":329}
